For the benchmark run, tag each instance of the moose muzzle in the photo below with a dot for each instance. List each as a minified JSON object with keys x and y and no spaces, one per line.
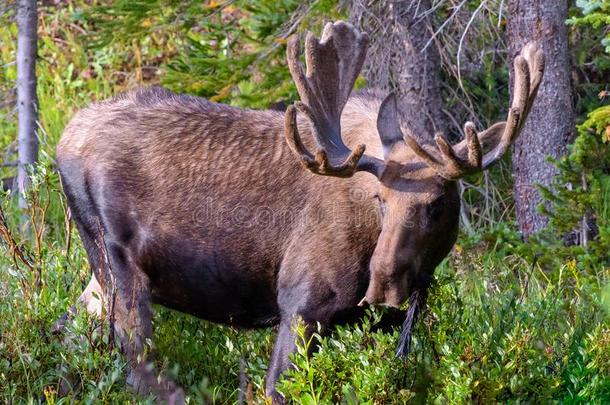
{"x":383,"y":290}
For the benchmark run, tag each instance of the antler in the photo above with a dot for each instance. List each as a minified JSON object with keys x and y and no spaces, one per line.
{"x":467,"y":157}
{"x":333,"y":64}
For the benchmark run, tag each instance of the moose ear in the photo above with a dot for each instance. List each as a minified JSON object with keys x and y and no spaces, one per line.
{"x":388,"y":125}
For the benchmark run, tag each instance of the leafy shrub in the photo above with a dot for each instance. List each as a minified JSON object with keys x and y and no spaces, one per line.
{"x":595,"y":13}
{"x":581,"y":193}
{"x":497,"y":329}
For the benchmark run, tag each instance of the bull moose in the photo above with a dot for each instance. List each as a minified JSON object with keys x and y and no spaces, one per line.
{"x":257,"y":218}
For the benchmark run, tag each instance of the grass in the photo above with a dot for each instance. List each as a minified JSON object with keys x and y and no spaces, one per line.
{"x":501,"y":325}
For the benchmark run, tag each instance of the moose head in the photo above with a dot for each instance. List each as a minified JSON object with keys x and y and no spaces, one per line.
{"x":416,"y":189}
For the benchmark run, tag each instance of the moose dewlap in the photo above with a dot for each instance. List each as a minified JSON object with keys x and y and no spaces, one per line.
{"x":257,"y":218}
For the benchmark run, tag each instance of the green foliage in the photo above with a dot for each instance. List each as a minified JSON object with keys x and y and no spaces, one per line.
{"x":355,"y":364}
{"x":37,"y":286}
{"x":231,"y":51}
{"x":497,"y":329}
{"x":591,"y":52}
{"x":580,"y":195}
{"x":595,"y":13}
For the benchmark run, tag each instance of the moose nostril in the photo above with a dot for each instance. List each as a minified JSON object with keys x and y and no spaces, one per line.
{"x":395,"y":296}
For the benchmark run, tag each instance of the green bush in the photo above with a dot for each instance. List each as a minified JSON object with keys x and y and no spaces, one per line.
{"x":497,"y":329}
{"x":580,"y":196}
{"x":595,"y":13}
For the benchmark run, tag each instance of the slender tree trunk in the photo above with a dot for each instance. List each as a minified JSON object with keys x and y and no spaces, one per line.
{"x":27,"y":102}
{"x":550,"y":125}
{"x":398,"y":59}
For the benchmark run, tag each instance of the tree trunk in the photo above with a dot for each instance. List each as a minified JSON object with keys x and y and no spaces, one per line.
{"x":550,"y":125}
{"x":27,"y":102}
{"x":396,"y":60}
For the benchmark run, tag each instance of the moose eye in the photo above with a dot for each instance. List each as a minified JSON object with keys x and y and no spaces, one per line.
{"x":434,"y":210}
{"x":380,"y":202}
{"x":377,"y":197}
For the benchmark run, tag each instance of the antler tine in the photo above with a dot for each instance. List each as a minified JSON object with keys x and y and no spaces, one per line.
{"x":293,"y":53}
{"x":426,"y":156}
{"x":453,"y":165}
{"x":535,"y":61}
{"x":450,"y":165}
{"x":475,"y":153}
{"x":529,"y":69}
{"x":319,"y":163}
{"x":468,"y":158}
{"x":293,"y":138}
{"x":523,"y":98}
{"x":332,"y":66}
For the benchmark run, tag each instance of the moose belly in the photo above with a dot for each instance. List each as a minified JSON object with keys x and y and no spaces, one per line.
{"x":215,"y":286}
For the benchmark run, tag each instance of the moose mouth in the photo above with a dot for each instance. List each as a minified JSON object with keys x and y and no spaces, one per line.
{"x":385,"y":292}
{"x":393,"y":295}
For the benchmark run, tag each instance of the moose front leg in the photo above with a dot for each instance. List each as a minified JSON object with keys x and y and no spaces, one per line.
{"x":285,"y":345}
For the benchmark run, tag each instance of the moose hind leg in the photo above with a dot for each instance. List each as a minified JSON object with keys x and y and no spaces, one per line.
{"x":129,"y":300}
{"x":92,"y":296}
